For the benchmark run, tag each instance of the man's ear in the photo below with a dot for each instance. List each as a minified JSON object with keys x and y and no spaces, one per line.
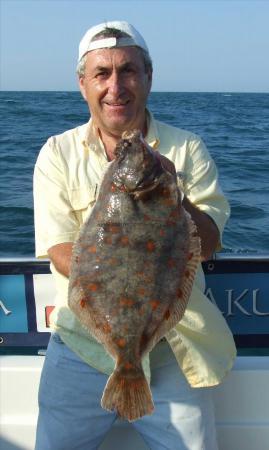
{"x":149,"y":75}
{"x":82,"y":87}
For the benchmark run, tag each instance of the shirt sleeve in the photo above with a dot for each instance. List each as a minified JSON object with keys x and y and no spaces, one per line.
{"x":202,"y":187}
{"x":55,"y":221}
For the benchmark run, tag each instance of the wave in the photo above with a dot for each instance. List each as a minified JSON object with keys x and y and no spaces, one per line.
{"x":15,"y":212}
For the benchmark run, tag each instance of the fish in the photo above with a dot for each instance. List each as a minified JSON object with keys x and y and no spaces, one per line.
{"x":132,"y":268}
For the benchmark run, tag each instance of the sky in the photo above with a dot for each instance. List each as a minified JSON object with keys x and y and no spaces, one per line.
{"x":196,"y":45}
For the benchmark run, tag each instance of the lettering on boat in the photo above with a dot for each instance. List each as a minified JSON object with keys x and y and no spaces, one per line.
{"x":245,"y":301}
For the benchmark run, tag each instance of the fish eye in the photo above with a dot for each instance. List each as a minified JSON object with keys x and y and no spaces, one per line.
{"x":127,"y":143}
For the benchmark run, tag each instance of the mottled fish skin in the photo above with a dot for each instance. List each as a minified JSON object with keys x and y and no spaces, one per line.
{"x":133,"y":267}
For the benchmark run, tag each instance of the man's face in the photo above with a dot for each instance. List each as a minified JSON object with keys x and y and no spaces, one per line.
{"x":116,"y":87}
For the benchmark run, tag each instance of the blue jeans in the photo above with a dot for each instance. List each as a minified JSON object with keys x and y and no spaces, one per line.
{"x":71,"y":418}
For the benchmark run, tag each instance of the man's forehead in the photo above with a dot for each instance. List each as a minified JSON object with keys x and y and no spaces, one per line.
{"x":119,"y":56}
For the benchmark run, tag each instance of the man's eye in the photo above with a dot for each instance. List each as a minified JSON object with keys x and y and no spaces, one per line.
{"x":129,"y":70}
{"x":101,"y":75}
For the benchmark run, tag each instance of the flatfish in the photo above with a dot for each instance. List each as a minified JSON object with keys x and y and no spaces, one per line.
{"x":132,"y":268}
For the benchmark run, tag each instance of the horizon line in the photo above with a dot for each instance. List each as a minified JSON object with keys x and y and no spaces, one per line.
{"x":152,"y":92}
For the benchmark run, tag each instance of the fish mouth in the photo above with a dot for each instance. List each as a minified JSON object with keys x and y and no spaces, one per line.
{"x":141,"y":192}
{"x":145,"y":187}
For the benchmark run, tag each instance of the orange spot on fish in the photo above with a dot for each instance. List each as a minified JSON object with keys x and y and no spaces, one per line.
{"x":124,"y":240}
{"x":114,"y":229}
{"x":167,"y":314}
{"x":165,"y":192}
{"x":108,"y":240}
{"x":82,"y":303}
{"x":128,"y":365}
{"x":113,"y":188}
{"x":124,"y":301}
{"x":154,"y":304}
{"x":106,"y":328}
{"x":149,"y":280}
{"x":113,"y":261}
{"x":170,"y":222}
{"x":93,"y":287}
{"x":190,"y":256}
{"x":168,"y":201}
{"x":150,"y":246}
{"x":174,"y":213}
{"x":121,"y":342}
{"x":122,"y":188}
{"x":140,"y":274}
{"x":171,"y":263}
{"x":92,"y":249}
{"x":141,"y":291}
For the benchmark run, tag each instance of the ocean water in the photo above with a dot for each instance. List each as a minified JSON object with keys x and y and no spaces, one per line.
{"x":235,"y":128}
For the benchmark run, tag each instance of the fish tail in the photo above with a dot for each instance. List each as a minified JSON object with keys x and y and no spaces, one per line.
{"x":127,"y":392}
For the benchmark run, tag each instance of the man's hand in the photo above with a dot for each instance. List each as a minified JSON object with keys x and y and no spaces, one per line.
{"x":207,"y":229}
{"x":60,"y":256}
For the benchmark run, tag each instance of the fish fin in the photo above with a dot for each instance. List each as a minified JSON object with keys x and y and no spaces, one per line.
{"x":128,"y":393}
{"x":193,"y":260}
{"x":175,"y":312}
{"x":78,"y":304}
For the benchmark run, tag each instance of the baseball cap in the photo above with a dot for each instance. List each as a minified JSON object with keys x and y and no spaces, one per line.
{"x":134,"y":38}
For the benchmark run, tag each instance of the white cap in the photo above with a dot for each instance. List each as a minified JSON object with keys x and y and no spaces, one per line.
{"x":87,"y":43}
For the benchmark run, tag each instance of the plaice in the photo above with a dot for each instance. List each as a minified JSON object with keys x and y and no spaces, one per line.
{"x":132,"y":269}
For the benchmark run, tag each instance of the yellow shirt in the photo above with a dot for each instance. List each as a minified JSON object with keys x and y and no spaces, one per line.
{"x":66,"y":182}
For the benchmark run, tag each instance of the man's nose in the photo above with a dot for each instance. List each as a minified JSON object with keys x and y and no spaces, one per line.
{"x":115,"y":85}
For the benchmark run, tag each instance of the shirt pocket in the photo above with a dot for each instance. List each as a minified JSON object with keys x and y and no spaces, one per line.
{"x":82,"y":201}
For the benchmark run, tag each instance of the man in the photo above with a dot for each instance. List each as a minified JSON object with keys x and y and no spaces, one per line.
{"x":115,"y":75}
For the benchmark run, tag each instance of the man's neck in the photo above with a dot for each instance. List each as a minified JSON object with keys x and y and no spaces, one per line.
{"x":110,"y":140}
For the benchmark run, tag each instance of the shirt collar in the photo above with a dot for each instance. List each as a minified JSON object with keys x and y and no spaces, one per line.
{"x":91,"y":139}
{"x":152,"y":137}
{"x":91,"y":136}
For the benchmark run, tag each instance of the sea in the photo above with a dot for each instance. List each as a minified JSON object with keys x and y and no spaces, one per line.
{"x":234,"y":126}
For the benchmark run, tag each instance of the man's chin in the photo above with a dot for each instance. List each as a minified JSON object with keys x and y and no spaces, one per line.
{"x":118,"y":127}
